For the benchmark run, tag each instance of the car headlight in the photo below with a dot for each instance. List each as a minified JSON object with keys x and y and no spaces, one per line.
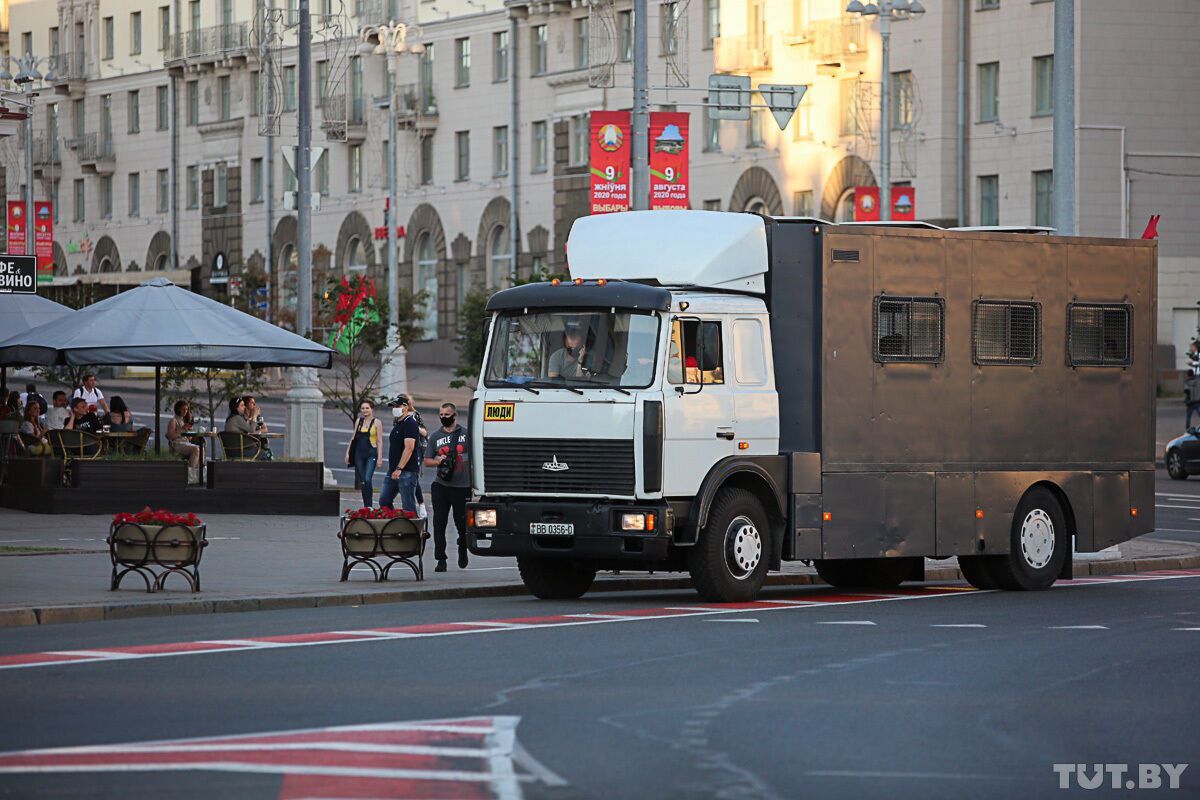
{"x":484,"y":518}
{"x":637,"y":522}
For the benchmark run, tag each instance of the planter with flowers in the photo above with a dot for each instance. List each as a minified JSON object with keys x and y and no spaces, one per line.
{"x":380,"y":538}
{"x":155,"y":544}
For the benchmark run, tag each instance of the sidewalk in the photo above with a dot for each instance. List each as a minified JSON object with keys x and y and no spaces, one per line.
{"x":56,"y":569}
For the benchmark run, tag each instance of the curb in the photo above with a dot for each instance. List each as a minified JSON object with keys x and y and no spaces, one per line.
{"x":53,"y":615}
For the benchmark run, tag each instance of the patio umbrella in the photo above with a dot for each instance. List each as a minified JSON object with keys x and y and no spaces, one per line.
{"x":20,"y":312}
{"x":159,"y":324}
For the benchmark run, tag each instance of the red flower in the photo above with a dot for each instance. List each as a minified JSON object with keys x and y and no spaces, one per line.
{"x":162,"y":516}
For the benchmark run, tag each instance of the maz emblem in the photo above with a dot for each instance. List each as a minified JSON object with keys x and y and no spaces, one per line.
{"x":554,"y":465}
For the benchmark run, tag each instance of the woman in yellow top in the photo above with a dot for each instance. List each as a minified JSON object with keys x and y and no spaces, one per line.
{"x":364,"y":452}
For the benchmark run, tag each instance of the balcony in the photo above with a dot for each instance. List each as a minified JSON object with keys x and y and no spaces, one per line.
{"x":835,"y":41}
{"x":208,"y":46}
{"x":47,"y":158}
{"x":371,"y":12}
{"x":417,"y":107}
{"x":742,"y":53}
{"x":96,"y":153}
{"x":344,"y":117}
{"x":70,"y":72}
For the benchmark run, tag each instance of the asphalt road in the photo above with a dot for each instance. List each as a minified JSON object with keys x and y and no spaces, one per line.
{"x":930,"y":695}
{"x":1176,"y":508}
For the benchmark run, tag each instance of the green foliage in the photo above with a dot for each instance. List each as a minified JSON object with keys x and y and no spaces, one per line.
{"x":208,"y":391}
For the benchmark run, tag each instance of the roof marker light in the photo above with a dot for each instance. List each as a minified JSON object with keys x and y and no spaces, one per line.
{"x":555,"y":282}
{"x":979,"y":513}
{"x":602,"y":282}
{"x":578,"y":281}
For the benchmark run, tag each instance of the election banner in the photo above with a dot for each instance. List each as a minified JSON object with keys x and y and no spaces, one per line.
{"x":866,"y":203}
{"x":16,"y":227}
{"x":669,"y":159}
{"x":609,"y":161}
{"x":43,"y":239}
{"x":904,"y":203}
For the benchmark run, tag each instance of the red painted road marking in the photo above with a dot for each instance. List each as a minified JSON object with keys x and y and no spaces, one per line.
{"x":254,"y":644}
{"x":474,"y":759}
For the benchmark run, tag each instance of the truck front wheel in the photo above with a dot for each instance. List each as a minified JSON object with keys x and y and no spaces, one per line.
{"x":554,"y":578}
{"x":729,"y":562}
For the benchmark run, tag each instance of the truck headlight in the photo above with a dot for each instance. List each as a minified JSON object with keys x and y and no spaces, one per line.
{"x":637,"y":522}
{"x":483,"y":518}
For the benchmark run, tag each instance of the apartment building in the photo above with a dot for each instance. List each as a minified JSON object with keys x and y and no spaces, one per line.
{"x":150,"y":138}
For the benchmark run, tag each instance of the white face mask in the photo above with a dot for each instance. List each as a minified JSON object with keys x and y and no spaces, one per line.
{"x":398,"y":412}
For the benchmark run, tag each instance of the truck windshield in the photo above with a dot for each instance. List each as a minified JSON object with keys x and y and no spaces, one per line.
{"x":574,"y":348}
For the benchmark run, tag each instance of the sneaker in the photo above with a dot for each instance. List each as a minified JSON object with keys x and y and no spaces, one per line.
{"x":462,"y":559}
{"x":441,"y":566}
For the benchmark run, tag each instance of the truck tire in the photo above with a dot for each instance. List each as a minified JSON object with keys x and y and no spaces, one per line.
{"x":864,"y":573}
{"x":1038,"y":545}
{"x":554,"y":578}
{"x":729,"y":562}
{"x":1175,"y":466}
{"x":978,"y":571}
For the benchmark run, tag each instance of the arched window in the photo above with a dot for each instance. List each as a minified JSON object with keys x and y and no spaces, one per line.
{"x":425,"y":276}
{"x":106,"y":264}
{"x":845,"y":207}
{"x":356,"y":255}
{"x":758,"y":206}
{"x":499,"y":257}
{"x":161,"y":262}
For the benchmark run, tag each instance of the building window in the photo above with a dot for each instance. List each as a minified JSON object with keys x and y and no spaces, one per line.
{"x":462,"y":62}
{"x":106,"y":135}
{"x":321,"y":173}
{"x":1043,"y":86}
{"x":289,"y":88}
{"x":164,"y":27}
{"x":669,"y":43}
{"x":989,"y":91}
{"x":135,"y":33}
{"x":322,"y":80}
{"x":135,"y":194}
{"x":538,"y":53}
{"x":989,"y":199}
{"x":162,"y":193}
{"x":194,"y":15}
{"x":984,"y":5}
{"x":108,"y":38}
{"x":162,"y":108}
{"x":78,"y":118}
{"x":134,"y":111}
{"x":625,"y":30}
{"x":539,"y":143}
{"x":193,"y":103}
{"x":428,"y":101}
{"x":358,"y":106}
{"x":500,"y":150}
{"x":802,"y":203}
{"x":289,"y":178}
{"x":355,"y":182}
{"x":712,"y":205}
{"x":426,"y":160}
{"x":756,"y":125}
{"x":848,"y":91}
{"x":293,"y":12}
{"x":581,"y":43}
{"x":802,"y":123}
{"x":193,"y":187}
{"x":106,"y":197}
{"x":226,"y":97}
{"x":255,"y":94}
{"x":27,"y":42}
{"x":425,"y":275}
{"x":578,"y":142}
{"x":712,"y":133}
{"x":712,"y":22}
{"x":220,"y":186}
{"x":500,"y":56}
{"x":1043,"y":192}
{"x":1007,"y":332}
{"x":55,"y":42}
{"x":80,"y":201}
{"x":909,"y":328}
{"x":902,"y":99}
{"x":54,"y":201}
{"x":462,"y":155}
{"x":500,"y":267}
{"x":1099,"y":334}
{"x":256,"y":180}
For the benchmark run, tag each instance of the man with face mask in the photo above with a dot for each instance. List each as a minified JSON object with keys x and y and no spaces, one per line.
{"x":449,"y":451}
{"x":404,"y":460}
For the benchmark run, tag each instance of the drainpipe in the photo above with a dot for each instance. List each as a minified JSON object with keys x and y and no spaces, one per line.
{"x":514,"y":148}
{"x":174,"y":90}
{"x":960,"y":138}
{"x":266,"y":98}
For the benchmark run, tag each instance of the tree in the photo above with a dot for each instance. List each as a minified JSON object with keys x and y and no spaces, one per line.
{"x":208,"y":391}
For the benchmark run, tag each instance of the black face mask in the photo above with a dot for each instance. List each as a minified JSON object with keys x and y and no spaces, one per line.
{"x":447,"y":421}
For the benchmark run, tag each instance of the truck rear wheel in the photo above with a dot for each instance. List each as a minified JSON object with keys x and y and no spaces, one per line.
{"x":865,"y":573}
{"x":729,"y":562}
{"x":1038,"y":544}
{"x":978,"y":571}
{"x":554,"y":578}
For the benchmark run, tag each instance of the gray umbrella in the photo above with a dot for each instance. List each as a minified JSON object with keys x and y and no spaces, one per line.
{"x":20,"y":312}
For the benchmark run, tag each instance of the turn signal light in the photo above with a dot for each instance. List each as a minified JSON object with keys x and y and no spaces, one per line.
{"x":827,"y":516}
{"x":979,"y":513}
{"x":1133,"y":511}
{"x":743,"y":445}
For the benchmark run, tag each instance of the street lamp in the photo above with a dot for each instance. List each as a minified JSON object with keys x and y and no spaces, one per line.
{"x":886,"y":10}
{"x":391,"y":40}
{"x":27,"y":75}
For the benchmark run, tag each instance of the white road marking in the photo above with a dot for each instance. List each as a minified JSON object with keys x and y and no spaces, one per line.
{"x":960,"y":625}
{"x":1187,"y":508}
{"x":1185,"y":629}
{"x":847,"y":622}
{"x":957,"y":776}
{"x":1078,"y":627}
{"x":731,"y":620}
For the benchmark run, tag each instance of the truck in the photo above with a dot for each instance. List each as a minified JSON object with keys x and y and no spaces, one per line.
{"x":718,"y":393}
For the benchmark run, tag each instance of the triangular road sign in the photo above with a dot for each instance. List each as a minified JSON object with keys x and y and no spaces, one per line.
{"x":783,"y":99}
{"x":314,"y":156}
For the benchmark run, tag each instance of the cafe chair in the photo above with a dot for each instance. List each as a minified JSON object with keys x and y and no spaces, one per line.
{"x":68,"y":444}
{"x":137,"y":445}
{"x":241,"y":446}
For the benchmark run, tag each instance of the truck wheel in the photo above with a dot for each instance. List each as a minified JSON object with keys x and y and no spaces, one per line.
{"x":729,"y":562}
{"x":1037,"y":546}
{"x":1175,"y":466}
{"x":554,"y":578}
{"x":978,"y":571}
{"x":864,"y":573}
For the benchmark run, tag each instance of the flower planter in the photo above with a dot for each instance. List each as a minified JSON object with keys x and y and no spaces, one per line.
{"x":390,"y":541}
{"x":154,"y":551}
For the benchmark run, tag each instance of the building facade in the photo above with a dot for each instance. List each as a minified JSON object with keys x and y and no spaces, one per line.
{"x":151,"y":142}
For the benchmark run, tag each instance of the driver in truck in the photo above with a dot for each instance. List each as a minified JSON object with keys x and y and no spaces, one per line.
{"x":567,"y":361}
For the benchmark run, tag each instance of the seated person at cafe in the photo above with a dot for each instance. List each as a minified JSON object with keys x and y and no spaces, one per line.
{"x":236,"y":422}
{"x":81,"y":419}
{"x":120,"y":418}
{"x":30,"y":395}
{"x":255,"y":416}
{"x":177,"y":436}
{"x":12,"y":407}
{"x":58,"y":413}
{"x":33,"y":435}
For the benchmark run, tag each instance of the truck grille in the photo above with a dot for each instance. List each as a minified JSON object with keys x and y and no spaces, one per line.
{"x":596,"y":466}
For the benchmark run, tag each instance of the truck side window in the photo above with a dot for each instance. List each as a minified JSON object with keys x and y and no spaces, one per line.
{"x":696,"y":356}
{"x":1099,"y":334}
{"x":1007,"y":332}
{"x":909,"y":329}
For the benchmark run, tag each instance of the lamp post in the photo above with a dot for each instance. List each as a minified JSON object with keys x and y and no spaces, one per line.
{"x":27,"y":75}
{"x":391,"y":40}
{"x":886,"y":10}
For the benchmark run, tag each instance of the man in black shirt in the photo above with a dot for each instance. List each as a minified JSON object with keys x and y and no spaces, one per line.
{"x":449,"y":451}
{"x":81,"y":419}
{"x":404,"y":460}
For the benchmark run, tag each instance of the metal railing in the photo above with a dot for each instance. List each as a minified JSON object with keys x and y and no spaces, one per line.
{"x":69,"y":67}
{"x":93,"y":147}
{"x":734,"y":53}
{"x":215,"y":42}
{"x":46,"y":151}
{"x":835,"y":39}
{"x":371,"y":10}
{"x":337,"y":107}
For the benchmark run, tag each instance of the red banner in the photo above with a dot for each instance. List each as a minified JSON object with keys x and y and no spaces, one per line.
{"x":904,"y":203}
{"x":43,"y":239}
{"x":866,"y":203}
{"x":16,"y":227}
{"x":669,"y":159}
{"x":609,"y":161}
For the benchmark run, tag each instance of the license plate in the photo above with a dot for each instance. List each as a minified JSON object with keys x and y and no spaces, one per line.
{"x":551,"y":529}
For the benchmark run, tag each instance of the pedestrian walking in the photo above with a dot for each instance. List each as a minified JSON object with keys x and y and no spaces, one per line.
{"x":364,"y":453}
{"x":449,"y":452}
{"x":404,"y":460}
{"x":1191,"y":398}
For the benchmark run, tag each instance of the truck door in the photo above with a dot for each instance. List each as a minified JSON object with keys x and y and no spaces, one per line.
{"x":698,"y":403}
{"x":756,"y":405}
